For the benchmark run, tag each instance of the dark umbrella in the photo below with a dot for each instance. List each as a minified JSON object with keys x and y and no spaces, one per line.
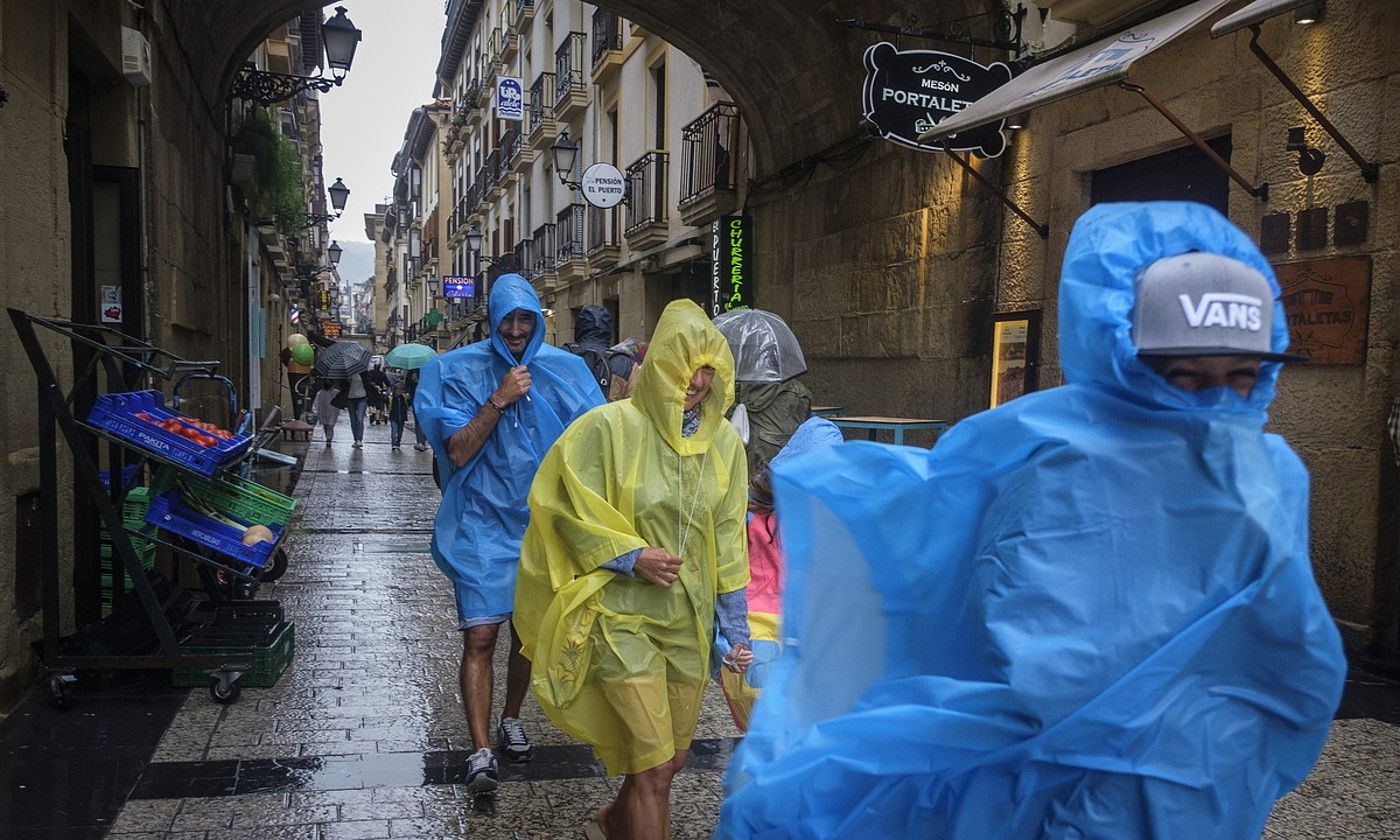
{"x":342,"y":360}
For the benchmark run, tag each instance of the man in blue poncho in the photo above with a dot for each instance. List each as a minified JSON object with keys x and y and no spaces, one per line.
{"x":1088,"y":613}
{"x":490,"y":411}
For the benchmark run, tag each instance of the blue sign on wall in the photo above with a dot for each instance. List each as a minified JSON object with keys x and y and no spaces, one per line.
{"x":458,"y":287}
{"x":510,"y":98}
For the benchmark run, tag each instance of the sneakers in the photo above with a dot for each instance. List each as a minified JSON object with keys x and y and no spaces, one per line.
{"x":514,"y":745}
{"x":357,"y":444}
{"x":420,"y":446}
{"x":481,"y":772}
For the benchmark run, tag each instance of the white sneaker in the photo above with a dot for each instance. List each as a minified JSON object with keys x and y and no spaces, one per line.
{"x":481,"y":772}
{"x":514,"y":744}
{"x":357,"y":444}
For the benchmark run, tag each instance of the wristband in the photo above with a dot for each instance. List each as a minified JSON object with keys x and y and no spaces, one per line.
{"x":499,"y":410}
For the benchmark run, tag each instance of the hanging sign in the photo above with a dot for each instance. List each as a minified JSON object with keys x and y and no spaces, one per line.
{"x":331,"y":329}
{"x":603,"y":185}
{"x":1328,"y":304}
{"x":908,"y":92}
{"x":458,"y":286}
{"x":510,"y":98}
{"x":111,"y":304}
{"x":731,"y":264}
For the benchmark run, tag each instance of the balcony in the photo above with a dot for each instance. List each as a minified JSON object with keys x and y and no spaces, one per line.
{"x":647,"y":224}
{"x":474,"y":197}
{"x":603,"y":247}
{"x":512,"y":148}
{"x":571,"y":262}
{"x":708,"y":175}
{"x":491,"y":186}
{"x":524,"y":14}
{"x":510,"y":41}
{"x":607,"y":46}
{"x":543,"y":254}
{"x":570,"y":90}
{"x":539,"y":116}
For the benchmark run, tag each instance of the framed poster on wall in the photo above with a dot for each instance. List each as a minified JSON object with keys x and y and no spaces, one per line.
{"x":1015,"y":355}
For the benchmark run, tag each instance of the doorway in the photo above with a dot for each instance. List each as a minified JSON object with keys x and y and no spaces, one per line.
{"x":1184,"y":174}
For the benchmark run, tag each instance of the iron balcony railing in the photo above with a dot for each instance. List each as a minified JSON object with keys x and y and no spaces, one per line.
{"x":568,"y":66}
{"x":569,"y":233}
{"x":511,"y":144}
{"x":646,"y":189}
{"x":543,"y":250}
{"x":522,"y":5}
{"x":607,"y":34}
{"x":491,"y":169}
{"x":602,"y":227}
{"x":707,"y":144}
{"x":541,"y":102}
{"x":471,"y":92}
{"x":526,"y":252}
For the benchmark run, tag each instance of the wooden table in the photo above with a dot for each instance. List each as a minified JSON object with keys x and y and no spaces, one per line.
{"x":828,"y":411}
{"x":897,"y":425}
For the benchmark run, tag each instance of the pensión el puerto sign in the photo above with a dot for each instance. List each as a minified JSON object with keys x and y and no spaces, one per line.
{"x":908,"y":92}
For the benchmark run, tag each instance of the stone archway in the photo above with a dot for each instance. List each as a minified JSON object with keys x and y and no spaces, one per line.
{"x":791,"y":67}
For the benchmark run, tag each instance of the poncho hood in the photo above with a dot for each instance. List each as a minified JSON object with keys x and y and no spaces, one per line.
{"x":593,"y":327}
{"x":508,"y":293}
{"x":684,"y":341}
{"x":1109,"y":246}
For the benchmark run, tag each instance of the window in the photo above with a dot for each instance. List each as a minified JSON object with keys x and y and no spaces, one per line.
{"x":658,"y":76}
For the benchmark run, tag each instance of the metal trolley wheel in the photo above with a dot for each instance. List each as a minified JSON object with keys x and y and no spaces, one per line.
{"x":224,"y":687}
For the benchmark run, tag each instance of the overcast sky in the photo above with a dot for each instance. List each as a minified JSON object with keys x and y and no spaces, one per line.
{"x":363,"y":120}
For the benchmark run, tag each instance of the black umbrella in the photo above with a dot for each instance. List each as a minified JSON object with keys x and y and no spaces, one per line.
{"x":342,"y":360}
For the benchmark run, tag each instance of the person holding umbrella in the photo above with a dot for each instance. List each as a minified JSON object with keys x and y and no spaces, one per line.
{"x":767,"y":362}
{"x":408,"y":358}
{"x":346,"y":361}
{"x":491,"y":411}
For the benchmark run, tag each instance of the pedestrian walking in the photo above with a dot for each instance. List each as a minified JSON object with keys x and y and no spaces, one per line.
{"x":397,"y":413}
{"x":767,"y":572}
{"x":636,"y":541}
{"x":611,"y":366}
{"x":356,"y":400}
{"x":376,"y":384}
{"x":1089,"y":612}
{"x":491,"y":411}
{"x":770,"y":401}
{"x":298,"y":368}
{"x":411,"y":387}
{"x":330,"y":399}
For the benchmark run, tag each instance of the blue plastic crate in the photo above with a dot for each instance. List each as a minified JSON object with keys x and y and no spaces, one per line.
{"x":116,"y":413}
{"x":169,"y":513}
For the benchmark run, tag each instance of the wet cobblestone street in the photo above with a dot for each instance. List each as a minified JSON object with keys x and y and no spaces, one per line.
{"x":363,"y":736}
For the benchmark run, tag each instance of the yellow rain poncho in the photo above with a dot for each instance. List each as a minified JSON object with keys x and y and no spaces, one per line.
{"x":618,"y":661}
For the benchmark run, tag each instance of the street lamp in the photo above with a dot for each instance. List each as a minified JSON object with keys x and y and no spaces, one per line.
{"x":565,"y":153}
{"x":338,"y":193}
{"x":333,"y":253}
{"x":266,"y":88}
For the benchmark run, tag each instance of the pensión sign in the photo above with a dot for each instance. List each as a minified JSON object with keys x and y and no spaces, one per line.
{"x":908,"y":92}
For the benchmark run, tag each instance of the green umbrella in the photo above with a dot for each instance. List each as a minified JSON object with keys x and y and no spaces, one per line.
{"x":409,"y":356}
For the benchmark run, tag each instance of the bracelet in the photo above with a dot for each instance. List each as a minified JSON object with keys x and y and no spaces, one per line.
{"x":499,"y":410}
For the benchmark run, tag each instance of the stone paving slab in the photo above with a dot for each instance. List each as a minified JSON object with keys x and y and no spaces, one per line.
{"x":368,"y":707}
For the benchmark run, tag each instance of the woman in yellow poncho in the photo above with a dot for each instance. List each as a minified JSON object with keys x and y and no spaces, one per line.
{"x":636,"y":538}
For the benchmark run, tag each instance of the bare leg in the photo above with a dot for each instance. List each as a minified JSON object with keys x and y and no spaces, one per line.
{"x":476,"y":676}
{"x":642,"y":809}
{"x":517,"y":677}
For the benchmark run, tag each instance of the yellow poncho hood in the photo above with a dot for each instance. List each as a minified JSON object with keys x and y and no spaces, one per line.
{"x":622,"y":478}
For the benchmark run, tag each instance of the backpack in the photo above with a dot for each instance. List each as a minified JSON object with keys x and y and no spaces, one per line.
{"x":614,"y":387}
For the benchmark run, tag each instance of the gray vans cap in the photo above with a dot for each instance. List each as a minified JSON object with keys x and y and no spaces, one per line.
{"x":1200,"y":304}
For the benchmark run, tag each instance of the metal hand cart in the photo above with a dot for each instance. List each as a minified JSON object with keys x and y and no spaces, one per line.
{"x":127,"y":363}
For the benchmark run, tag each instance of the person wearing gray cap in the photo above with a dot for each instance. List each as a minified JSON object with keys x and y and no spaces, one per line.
{"x":1087,"y":612}
{"x":1204,"y":321}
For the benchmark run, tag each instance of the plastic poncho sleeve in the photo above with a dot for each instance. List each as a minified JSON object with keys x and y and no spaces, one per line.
{"x":731,"y":534}
{"x":441,"y":421}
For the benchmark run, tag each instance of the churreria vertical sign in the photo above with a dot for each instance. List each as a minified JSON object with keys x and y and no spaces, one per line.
{"x":731,"y":264}
{"x":908,"y":92}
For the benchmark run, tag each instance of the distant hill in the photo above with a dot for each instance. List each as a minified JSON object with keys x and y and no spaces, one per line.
{"x":356,"y":262}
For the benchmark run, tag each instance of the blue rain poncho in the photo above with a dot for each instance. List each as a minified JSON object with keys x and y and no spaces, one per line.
{"x":1088,"y":613}
{"x":476,"y":536}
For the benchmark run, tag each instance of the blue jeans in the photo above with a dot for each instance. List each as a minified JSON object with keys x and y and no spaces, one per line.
{"x":357,"y":417}
{"x":395,"y":431}
{"x":418,"y":431}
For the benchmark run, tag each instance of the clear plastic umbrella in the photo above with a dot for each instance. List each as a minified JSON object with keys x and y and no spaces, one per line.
{"x":765,"y":350}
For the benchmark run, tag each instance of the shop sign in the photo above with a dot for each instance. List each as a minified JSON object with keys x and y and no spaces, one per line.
{"x":1015,"y":355}
{"x":331,"y":329}
{"x":908,"y":92}
{"x":510,"y":98}
{"x":1327,"y":304}
{"x":731,"y":264}
{"x":603,"y":185}
{"x":458,"y":286}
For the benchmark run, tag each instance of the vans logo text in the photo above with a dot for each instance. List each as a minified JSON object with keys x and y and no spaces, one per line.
{"x":1221,"y":309}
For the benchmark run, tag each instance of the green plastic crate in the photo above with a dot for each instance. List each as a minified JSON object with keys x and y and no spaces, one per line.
{"x":244,"y":500}
{"x":268,"y":661}
{"x":134,"y":507}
